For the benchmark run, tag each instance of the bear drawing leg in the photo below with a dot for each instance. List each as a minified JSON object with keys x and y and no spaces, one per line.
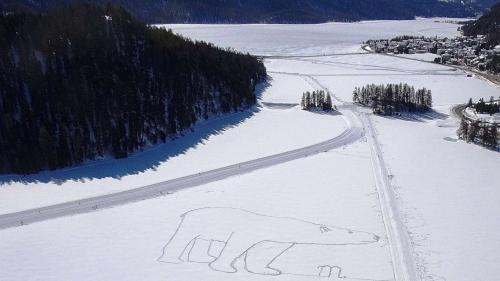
{"x":235,"y":247}
{"x":178,"y":244}
{"x":258,"y":259}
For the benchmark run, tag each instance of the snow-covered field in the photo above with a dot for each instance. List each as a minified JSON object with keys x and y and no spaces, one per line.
{"x":124,"y":243}
{"x":450,"y":193}
{"x":317,"y":216}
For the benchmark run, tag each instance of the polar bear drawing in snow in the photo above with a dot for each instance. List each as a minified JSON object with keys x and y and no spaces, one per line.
{"x":239,"y":231}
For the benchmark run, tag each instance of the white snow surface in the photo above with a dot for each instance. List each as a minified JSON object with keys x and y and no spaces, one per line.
{"x":446,"y":190}
{"x":290,"y":39}
{"x":450,"y":193}
{"x":124,"y":243}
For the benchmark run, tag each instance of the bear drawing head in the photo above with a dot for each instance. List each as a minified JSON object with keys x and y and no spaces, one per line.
{"x":338,"y":236}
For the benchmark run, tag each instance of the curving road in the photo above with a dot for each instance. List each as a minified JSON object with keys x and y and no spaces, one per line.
{"x":350,"y":135}
{"x":458,"y":110}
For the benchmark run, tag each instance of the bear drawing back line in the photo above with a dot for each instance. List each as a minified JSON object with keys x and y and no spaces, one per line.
{"x":241,"y":230}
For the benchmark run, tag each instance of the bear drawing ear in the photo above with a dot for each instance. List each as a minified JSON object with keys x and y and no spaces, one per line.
{"x":324,"y":229}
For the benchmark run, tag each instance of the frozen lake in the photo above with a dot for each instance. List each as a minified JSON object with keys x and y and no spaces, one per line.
{"x":310,"y":219}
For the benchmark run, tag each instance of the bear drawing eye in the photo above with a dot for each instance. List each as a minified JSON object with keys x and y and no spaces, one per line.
{"x":324,"y":229}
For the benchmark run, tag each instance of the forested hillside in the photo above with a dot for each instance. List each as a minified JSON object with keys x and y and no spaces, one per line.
{"x":488,"y":24}
{"x":85,"y":82}
{"x":273,"y":11}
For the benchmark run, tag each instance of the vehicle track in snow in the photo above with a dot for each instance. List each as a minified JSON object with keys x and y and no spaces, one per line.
{"x":397,"y":233}
{"x":399,"y":240}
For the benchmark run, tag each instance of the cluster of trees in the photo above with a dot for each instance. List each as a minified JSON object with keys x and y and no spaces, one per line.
{"x":482,"y":133}
{"x":317,"y":100}
{"x":391,"y":98}
{"x":84,"y":82}
{"x":482,"y":107}
{"x":406,"y":37}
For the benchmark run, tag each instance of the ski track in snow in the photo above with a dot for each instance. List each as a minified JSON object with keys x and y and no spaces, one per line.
{"x":399,"y":240}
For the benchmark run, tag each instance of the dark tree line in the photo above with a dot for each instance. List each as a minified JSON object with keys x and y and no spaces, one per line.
{"x":269,"y":11}
{"x":85,"y":82}
{"x":487,"y":25}
{"x":406,"y":37}
{"x":482,"y":133}
{"x":391,"y":98}
{"x":317,"y":100}
{"x":482,"y":107}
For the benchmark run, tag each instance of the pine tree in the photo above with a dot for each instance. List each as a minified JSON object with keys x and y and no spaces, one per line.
{"x":463,"y":130}
{"x":355,"y":95}
{"x":428,"y":99}
{"x":470,"y":103}
{"x":494,"y":134}
{"x":490,"y":138}
{"x":303,"y":102}
{"x":473,"y":131}
{"x":328,"y":103}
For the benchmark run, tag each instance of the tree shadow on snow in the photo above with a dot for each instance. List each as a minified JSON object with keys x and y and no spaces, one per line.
{"x":149,"y":157}
{"x":330,"y":112}
{"x":418,"y":116}
{"x":333,"y":112}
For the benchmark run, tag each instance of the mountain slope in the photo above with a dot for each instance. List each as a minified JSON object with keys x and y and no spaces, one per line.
{"x":488,"y":24}
{"x":86,"y":82}
{"x":272,"y":11}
